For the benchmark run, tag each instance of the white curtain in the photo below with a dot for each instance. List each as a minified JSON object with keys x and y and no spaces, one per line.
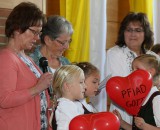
{"x":156,"y":20}
{"x":97,"y":45}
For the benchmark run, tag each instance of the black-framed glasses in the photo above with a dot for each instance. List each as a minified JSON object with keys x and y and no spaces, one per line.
{"x":136,"y":30}
{"x":63,"y":43}
{"x":36,"y":33}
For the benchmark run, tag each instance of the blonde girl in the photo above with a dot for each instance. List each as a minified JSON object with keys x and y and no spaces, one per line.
{"x":68,"y":85}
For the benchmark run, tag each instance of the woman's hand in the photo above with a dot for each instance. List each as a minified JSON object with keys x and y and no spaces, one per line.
{"x":43,"y":83}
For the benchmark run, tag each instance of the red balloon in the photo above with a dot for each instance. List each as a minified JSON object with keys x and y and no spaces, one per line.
{"x":80,"y":122}
{"x":130,"y":92}
{"x":105,"y":121}
{"x":96,"y":121}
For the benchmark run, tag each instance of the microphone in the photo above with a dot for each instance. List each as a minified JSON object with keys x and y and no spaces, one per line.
{"x":43,"y":63}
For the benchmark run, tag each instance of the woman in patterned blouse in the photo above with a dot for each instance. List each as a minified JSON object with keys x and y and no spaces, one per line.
{"x":135,"y":37}
{"x":23,"y":96}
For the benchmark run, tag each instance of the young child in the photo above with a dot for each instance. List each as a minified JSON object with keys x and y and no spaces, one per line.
{"x":92,"y":79}
{"x":69,"y":87}
{"x":149,"y":115}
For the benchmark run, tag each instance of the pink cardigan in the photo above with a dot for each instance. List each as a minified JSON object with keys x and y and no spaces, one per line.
{"x":18,"y":109}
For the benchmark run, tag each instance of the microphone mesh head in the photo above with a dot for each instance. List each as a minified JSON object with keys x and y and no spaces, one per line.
{"x":43,"y":62}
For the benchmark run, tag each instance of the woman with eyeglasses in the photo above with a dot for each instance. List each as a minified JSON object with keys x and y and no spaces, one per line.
{"x":55,"y":39}
{"x":135,"y":38}
{"x":23,"y":95}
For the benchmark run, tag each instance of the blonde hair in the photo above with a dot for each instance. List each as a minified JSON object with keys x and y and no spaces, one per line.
{"x":65,"y":74}
{"x":150,"y":61}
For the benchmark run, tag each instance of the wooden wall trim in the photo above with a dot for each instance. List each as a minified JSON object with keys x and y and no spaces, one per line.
{"x":3,"y":16}
{"x":10,"y":4}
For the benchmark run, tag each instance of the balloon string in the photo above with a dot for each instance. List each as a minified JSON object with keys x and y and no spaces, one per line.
{"x":133,"y":124}
{"x":134,"y":127}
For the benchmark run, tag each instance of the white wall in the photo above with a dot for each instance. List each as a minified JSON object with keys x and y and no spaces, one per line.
{"x":156,"y":21}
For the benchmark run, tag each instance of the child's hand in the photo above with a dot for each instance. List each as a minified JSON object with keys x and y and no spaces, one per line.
{"x":118,"y":115}
{"x":139,"y":122}
{"x":123,"y":124}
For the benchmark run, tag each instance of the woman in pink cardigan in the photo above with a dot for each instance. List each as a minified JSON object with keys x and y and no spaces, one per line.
{"x":23,"y":96}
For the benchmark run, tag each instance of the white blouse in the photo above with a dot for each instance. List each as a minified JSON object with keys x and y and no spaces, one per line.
{"x":88,"y":106}
{"x":66,"y":111}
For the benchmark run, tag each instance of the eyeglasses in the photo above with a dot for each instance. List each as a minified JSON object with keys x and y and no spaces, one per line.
{"x":136,"y":30}
{"x":63,"y":43}
{"x":36,"y":33}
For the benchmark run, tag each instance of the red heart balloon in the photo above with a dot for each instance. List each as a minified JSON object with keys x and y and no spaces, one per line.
{"x":96,"y":121}
{"x":105,"y":121}
{"x":80,"y":122}
{"x":129,"y":92}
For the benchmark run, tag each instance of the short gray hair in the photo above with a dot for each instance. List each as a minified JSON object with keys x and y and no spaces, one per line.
{"x":55,"y":26}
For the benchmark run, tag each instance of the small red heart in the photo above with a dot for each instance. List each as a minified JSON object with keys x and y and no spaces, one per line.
{"x":96,"y":121}
{"x":130,"y":92}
